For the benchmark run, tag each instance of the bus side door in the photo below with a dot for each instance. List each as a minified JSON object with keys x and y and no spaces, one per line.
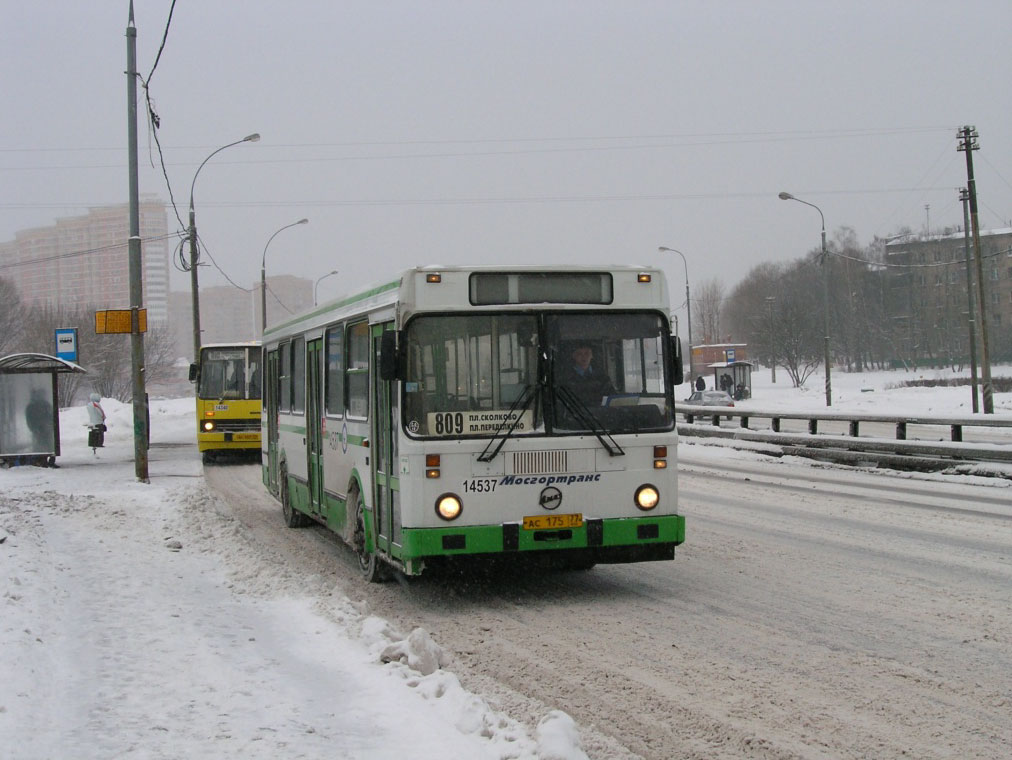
{"x":270,"y":415}
{"x":314,"y":423}
{"x":385,"y":421}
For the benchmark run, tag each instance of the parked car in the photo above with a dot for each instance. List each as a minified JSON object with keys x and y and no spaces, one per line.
{"x":710,"y":398}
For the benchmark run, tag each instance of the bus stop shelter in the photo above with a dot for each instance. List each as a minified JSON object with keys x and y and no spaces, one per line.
{"x":733,"y":377}
{"x":29,"y":408}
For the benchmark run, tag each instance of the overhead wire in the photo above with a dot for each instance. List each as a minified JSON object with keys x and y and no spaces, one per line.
{"x":207,"y":250}
{"x":276,"y":298}
{"x":680,"y":141}
{"x":83,"y":252}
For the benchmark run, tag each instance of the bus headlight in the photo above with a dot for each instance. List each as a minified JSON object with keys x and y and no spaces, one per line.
{"x":448,"y":506}
{"x":647,"y":497}
{"x":208,"y":426}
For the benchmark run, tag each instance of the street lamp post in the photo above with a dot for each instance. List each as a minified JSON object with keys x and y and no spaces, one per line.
{"x":317,"y":285}
{"x":194,"y":292}
{"x":825,"y":291}
{"x":773,"y":341}
{"x":263,"y":276}
{"x":688,"y":303}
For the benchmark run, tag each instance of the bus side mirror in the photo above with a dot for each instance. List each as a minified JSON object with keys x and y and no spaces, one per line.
{"x":193,"y":372}
{"x":677,"y":373}
{"x":389,"y":356}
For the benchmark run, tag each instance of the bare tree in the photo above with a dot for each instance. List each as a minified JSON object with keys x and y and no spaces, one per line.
{"x":707,"y":302}
{"x":787,"y":329}
{"x":106,"y":358}
{"x":12,"y":317}
{"x":799,"y":328}
{"x":749,"y":311}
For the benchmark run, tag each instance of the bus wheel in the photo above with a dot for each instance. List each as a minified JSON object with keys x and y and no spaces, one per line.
{"x":370,"y":567}
{"x":293,"y":517}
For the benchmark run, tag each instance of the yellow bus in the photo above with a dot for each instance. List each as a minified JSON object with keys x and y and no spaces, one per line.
{"x":228,"y":377}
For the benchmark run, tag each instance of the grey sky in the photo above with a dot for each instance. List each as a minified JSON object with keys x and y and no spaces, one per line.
{"x":513,"y":132}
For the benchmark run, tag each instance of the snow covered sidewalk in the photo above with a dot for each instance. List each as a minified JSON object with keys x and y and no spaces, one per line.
{"x":140,"y":619}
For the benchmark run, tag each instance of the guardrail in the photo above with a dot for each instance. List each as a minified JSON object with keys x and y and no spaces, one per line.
{"x":899,"y":454}
{"x":955,"y":424}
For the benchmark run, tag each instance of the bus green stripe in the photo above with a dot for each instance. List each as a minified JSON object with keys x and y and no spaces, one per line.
{"x":331,"y":306}
{"x":488,"y":539}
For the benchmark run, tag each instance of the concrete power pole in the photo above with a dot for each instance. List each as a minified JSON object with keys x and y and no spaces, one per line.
{"x":140,"y":397}
{"x":968,"y":136}
{"x":964,"y":196}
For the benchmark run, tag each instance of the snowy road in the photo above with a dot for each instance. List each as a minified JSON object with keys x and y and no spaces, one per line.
{"x":811,"y":614}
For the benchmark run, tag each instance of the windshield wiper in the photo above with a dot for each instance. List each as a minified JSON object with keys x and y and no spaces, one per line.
{"x":523,"y":402}
{"x":582,"y":412}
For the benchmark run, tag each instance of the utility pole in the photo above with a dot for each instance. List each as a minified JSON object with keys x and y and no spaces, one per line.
{"x":140,"y":397}
{"x":968,"y":136}
{"x":773,"y":340}
{"x":194,"y":289}
{"x":964,"y":196}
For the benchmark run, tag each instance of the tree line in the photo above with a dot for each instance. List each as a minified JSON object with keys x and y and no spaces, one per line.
{"x":878,"y":317}
{"x":107,"y":359}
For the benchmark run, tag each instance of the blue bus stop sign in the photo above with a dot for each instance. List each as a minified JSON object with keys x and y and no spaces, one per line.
{"x":66,"y":343}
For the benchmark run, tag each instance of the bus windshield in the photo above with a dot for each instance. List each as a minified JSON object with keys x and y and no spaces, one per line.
{"x":607,"y":371}
{"x":230,"y":373}
{"x":464,"y":373}
{"x":469,"y":375}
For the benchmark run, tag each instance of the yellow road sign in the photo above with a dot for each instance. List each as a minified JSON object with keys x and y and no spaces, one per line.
{"x":109,"y":321}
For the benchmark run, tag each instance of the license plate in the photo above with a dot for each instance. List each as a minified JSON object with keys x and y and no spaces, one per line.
{"x":246,"y":436}
{"x":549,"y":522}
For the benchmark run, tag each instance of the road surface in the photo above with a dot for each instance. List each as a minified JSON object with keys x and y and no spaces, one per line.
{"x":811,"y":613}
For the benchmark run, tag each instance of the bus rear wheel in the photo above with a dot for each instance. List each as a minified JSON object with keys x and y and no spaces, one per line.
{"x":368,"y":564}
{"x":293,"y":517}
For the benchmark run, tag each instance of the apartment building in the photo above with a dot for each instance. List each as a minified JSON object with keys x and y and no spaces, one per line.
{"x":928,"y":290}
{"x":230,"y":314}
{"x":82,"y":261}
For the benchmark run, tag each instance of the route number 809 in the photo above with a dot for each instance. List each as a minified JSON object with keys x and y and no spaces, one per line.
{"x":449,"y":423}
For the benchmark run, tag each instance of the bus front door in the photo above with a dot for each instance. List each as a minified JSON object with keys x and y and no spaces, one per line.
{"x":314,"y":424}
{"x":269,"y":414}
{"x":386,"y":484}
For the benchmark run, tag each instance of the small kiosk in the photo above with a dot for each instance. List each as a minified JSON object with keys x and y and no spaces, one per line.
{"x":29,"y":408}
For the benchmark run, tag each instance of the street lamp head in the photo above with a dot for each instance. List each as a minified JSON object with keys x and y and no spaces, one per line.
{"x":255,"y":137}
{"x":303,"y":221}
{"x":319,"y":280}
{"x":784,"y":196}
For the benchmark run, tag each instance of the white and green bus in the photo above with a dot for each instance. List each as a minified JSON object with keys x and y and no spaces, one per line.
{"x":437,"y":416}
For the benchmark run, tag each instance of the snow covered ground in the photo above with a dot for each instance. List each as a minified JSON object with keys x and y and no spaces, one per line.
{"x":140,"y":619}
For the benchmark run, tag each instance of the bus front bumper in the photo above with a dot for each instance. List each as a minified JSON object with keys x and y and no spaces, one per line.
{"x":599,"y":540}
{"x":223,"y":440}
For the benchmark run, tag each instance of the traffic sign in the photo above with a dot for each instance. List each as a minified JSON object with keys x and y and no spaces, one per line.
{"x":118,"y":321}
{"x":66,"y":343}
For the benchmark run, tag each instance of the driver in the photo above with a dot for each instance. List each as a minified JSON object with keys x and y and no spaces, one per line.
{"x":583,"y":379}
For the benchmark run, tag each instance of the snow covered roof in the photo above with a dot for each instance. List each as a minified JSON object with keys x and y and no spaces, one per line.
{"x":24,"y":363}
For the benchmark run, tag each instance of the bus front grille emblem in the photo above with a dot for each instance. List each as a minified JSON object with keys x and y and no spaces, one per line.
{"x":551,"y":498}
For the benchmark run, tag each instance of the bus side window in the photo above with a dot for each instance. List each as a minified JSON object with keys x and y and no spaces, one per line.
{"x":284,"y":378}
{"x":254,"y":373}
{"x":335,"y":371}
{"x":299,"y":375}
{"x":357,"y":372}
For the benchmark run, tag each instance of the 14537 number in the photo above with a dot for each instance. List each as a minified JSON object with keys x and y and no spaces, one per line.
{"x":479,"y":485}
